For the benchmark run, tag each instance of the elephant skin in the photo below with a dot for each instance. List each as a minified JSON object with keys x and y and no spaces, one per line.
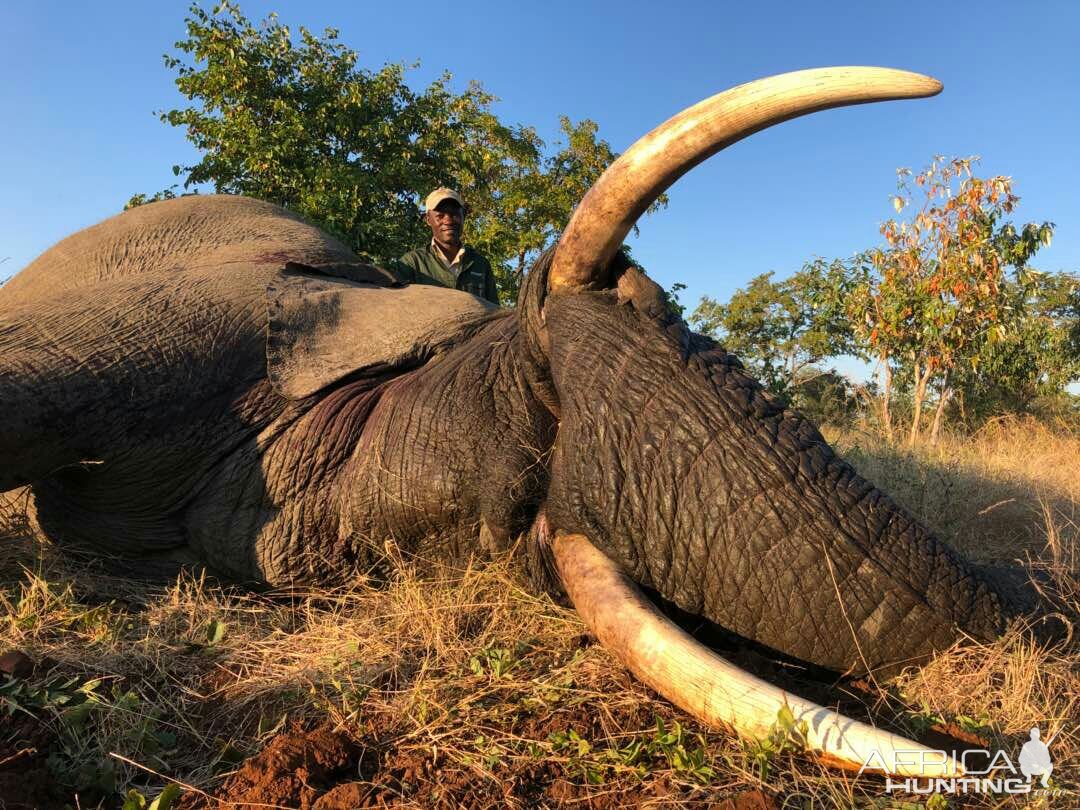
{"x":211,"y":379}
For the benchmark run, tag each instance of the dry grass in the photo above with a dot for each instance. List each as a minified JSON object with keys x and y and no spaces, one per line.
{"x":467,"y":688}
{"x":1012,"y":489}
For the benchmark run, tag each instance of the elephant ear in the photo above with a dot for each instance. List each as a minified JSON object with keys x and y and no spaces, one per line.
{"x":329,"y":322}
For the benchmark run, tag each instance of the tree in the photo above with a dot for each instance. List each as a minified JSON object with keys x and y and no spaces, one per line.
{"x":826,"y":396}
{"x":296,"y":120}
{"x":935,"y":299}
{"x":1030,"y":368}
{"x":782,"y":329}
{"x":674,"y":305}
{"x":533,"y":205}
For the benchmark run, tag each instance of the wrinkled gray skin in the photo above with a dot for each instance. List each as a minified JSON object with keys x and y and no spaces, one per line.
{"x":138,"y":404}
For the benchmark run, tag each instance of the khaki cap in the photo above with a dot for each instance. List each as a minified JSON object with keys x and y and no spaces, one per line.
{"x":440,"y":194}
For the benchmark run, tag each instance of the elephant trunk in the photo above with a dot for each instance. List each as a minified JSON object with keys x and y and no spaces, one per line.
{"x":701,"y":486}
{"x":710,"y":688}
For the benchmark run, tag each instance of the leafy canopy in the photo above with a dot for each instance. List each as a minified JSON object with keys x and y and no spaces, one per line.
{"x":936,"y":293}
{"x":296,"y":120}
{"x":939,"y":299}
{"x":949,"y":308}
{"x":783,"y":328}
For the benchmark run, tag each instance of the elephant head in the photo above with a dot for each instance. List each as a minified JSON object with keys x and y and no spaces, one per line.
{"x":286,"y":438}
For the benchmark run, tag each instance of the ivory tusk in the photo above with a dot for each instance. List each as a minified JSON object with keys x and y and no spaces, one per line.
{"x":633,"y":182}
{"x":712,"y":689}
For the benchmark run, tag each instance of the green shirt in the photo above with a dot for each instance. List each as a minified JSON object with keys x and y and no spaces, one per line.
{"x":425,"y":266}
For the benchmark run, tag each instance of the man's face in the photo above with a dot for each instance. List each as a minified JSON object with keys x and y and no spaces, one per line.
{"x":446,"y":222}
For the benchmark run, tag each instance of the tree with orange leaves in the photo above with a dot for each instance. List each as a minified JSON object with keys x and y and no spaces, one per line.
{"x":935,"y":298}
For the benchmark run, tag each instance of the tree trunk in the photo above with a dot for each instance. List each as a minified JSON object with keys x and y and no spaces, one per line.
{"x":886,"y":398}
{"x":943,"y":399}
{"x":961,"y":406}
{"x":919,"y":396}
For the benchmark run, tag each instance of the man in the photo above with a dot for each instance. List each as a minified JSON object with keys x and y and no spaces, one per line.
{"x":445,"y":260}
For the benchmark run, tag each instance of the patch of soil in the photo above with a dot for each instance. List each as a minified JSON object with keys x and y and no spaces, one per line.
{"x":16,"y":664}
{"x":293,"y":771}
{"x":327,"y":770}
{"x":25,"y":781}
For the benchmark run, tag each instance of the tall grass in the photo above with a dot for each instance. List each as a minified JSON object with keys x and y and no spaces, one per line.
{"x":1011,"y":489}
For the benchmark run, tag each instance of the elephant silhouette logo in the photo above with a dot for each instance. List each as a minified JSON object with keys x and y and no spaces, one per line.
{"x":1035,"y":758}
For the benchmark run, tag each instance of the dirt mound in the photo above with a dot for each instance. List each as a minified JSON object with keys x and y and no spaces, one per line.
{"x":327,"y":770}
{"x":293,"y":771}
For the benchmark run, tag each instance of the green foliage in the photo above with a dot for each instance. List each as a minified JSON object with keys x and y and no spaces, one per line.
{"x":142,"y":199}
{"x":787,"y":736}
{"x":926,"y":719}
{"x":666,"y":748}
{"x":135,"y":800}
{"x":1028,"y":367}
{"x":825,"y":396}
{"x":569,"y":742}
{"x":295,"y":119}
{"x":64,"y":697}
{"x":937,"y":299}
{"x":215,"y":632}
{"x":82,"y":710}
{"x":949,"y":309}
{"x":136,"y":726}
{"x":674,"y":305}
{"x":672,"y":747}
{"x":782,"y":328}
{"x":533,"y":202}
{"x":497,"y":662}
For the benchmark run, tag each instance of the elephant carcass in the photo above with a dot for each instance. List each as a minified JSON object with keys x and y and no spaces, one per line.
{"x":163,"y":404}
{"x":143,"y":378}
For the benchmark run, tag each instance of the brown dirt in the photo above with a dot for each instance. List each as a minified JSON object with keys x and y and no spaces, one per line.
{"x":327,"y":770}
{"x":294,"y":770}
{"x":25,"y":782}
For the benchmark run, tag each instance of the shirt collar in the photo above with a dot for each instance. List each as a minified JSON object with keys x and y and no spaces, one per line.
{"x":441,"y":256}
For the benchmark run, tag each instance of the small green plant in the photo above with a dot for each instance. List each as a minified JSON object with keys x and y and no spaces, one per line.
{"x":92,"y":777}
{"x":924,"y":720}
{"x":578,"y":750}
{"x":64,"y":697}
{"x":670,"y":746}
{"x":491,"y":752}
{"x":87,"y":715}
{"x":135,"y":800}
{"x":787,"y":735}
{"x":349,"y":695}
{"x":979,"y":725}
{"x":215,"y":632}
{"x":570,"y":742}
{"x":497,"y":662}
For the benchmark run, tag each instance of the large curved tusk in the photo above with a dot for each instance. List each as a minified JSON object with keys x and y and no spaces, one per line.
{"x":634,"y":181}
{"x":712,"y":689}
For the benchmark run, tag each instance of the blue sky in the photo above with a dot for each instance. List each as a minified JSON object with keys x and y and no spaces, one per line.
{"x":81,"y":83}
